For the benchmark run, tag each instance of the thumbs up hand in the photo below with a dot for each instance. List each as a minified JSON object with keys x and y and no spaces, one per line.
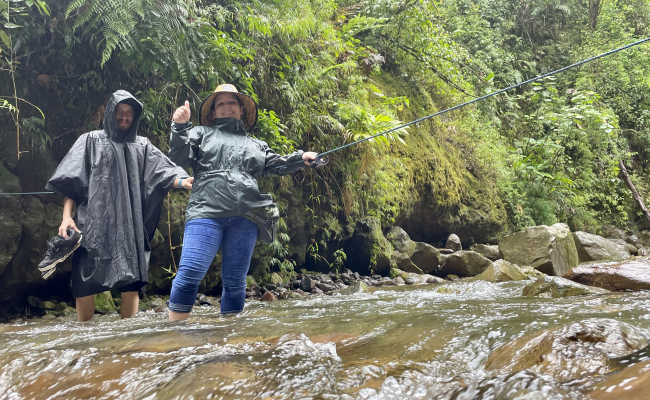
{"x":182,"y":113}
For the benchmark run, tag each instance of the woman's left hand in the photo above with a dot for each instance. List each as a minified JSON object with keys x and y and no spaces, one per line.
{"x":186,"y":183}
{"x":309,"y":156}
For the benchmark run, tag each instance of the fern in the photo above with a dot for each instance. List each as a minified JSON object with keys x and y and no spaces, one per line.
{"x":153,"y":34}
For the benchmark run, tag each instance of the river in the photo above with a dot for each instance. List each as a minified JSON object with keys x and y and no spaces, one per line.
{"x":404,"y":342}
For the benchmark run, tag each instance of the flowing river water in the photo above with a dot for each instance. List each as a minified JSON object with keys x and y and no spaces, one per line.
{"x":417,"y":342}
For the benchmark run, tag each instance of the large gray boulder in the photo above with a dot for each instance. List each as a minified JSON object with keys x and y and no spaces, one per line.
{"x":490,"y":252}
{"x":631,"y":248}
{"x":592,"y":247}
{"x":555,"y":286}
{"x":502,"y":271}
{"x":410,"y":256}
{"x":549,"y":249}
{"x":453,"y":243}
{"x":464,"y":263}
{"x":400,"y":240}
{"x":426,"y":257}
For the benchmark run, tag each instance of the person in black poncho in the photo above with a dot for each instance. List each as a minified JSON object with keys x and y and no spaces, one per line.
{"x":118,"y":182}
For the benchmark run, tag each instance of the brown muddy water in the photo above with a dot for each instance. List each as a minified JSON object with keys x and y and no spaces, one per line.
{"x":416,"y":342}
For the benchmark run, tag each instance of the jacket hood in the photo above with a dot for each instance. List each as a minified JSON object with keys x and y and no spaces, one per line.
{"x":110,"y":122}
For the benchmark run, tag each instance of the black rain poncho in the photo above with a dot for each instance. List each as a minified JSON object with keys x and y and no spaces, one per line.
{"x":119,"y":181}
{"x":226,"y":161}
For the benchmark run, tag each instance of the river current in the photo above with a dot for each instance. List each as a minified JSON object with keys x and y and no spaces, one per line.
{"x":417,"y":342}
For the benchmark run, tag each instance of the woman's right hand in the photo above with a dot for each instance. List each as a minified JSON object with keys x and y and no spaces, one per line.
{"x":65,"y":224}
{"x":182,"y":114}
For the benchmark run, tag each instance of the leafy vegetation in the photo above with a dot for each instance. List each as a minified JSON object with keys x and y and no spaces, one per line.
{"x":328,"y":72}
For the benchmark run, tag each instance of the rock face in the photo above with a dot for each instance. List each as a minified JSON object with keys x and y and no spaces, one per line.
{"x":626,"y":275}
{"x":491,"y":252}
{"x":631,"y":247}
{"x":549,"y":249}
{"x":453,"y":243}
{"x":553,"y":286}
{"x":574,"y":351}
{"x":11,"y":217}
{"x":595,"y":248}
{"x":502,"y":271}
{"x":465,"y":263}
{"x":368,"y":246}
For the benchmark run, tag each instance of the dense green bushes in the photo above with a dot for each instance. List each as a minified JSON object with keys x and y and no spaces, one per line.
{"x":329,"y":72}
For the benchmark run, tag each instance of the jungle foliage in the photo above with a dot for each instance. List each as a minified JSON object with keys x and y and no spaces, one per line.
{"x":328,"y":72}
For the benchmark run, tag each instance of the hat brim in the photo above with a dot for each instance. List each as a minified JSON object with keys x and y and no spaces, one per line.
{"x":250,"y":110}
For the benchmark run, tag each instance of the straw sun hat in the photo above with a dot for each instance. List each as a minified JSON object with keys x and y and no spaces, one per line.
{"x":249,"y":117}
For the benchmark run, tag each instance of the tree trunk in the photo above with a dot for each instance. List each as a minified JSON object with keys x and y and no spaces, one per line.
{"x":635,"y":193}
{"x":594,"y":11}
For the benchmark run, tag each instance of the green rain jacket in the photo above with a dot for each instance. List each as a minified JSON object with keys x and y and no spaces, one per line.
{"x":226,"y":161}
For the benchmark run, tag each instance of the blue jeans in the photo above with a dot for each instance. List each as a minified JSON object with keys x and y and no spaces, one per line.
{"x":201,"y":240}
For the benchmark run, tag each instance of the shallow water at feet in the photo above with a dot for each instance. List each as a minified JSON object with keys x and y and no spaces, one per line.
{"x":393,"y":343}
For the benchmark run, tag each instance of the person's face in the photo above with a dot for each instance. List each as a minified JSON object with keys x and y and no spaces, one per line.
{"x":124,"y":114}
{"x":226,"y":105}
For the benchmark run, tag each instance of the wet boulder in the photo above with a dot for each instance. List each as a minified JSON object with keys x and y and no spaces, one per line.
{"x":502,"y":271}
{"x":453,"y":243}
{"x":404,"y":262}
{"x":615,"y":276}
{"x":400,"y":240}
{"x":426,"y":257}
{"x":578,"y":350}
{"x":275,"y":278}
{"x":104,"y":303}
{"x":355,"y":287}
{"x":549,"y":249}
{"x":491,"y":252}
{"x":592,"y":247}
{"x":630,"y":247}
{"x":307,"y":284}
{"x":554,"y":286}
{"x":465,"y":263}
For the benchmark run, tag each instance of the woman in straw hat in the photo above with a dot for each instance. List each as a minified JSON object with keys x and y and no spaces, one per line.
{"x":225,"y":161}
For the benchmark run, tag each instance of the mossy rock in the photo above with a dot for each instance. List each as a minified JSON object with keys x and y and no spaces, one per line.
{"x":250,"y":281}
{"x":275,"y":278}
{"x":104,"y":303}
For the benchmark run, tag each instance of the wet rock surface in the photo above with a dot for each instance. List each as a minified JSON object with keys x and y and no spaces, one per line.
{"x":554,"y":287}
{"x":502,"y":271}
{"x":464,"y":263}
{"x":626,"y":275}
{"x":453,"y":243}
{"x":491,"y":252}
{"x":592,"y":247}
{"x":574,"y":351}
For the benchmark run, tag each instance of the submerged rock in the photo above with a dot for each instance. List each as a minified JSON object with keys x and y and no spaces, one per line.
{"x":453,"y":243}
{"x":502,"y":271}
{"x":549,"y":249}
{"x":554,"y":286}
{"x":592,"y":247}
{"x":355,"y":287}
{"x":269,"y":296}
{"x":631,"y":383}
{"x":465,"y":263}
{"x":574,"y":351}
{"x":626,"y":275}
{"x":491,"y":252}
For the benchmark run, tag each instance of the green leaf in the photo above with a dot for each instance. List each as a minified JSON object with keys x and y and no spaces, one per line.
{"x":9,"y":25}
{"x":490,"y":77}
{"x":5,"y":39}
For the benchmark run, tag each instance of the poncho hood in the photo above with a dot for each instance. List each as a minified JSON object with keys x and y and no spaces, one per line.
{"x":110,"y":122}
